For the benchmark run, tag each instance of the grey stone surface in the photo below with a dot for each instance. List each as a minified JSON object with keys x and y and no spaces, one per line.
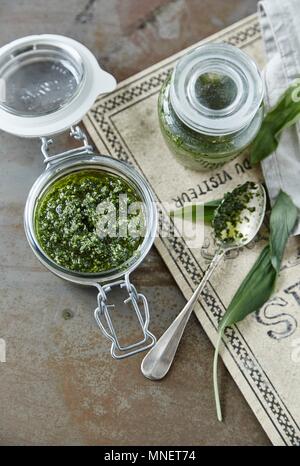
{"x":59,"y":384}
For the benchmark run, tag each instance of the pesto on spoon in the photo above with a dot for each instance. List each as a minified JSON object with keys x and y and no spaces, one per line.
{"x":236,"y":222}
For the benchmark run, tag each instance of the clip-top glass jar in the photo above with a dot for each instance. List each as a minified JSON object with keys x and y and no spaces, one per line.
{"x":210,"y":108}
{"x":48,"y":84}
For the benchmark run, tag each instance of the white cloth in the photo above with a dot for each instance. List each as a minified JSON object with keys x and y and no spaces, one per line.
{"x":280,"y":25}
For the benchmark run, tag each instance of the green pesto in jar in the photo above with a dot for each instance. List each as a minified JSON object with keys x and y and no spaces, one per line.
{"x":197,"y":150}
{"x":76,"y":226}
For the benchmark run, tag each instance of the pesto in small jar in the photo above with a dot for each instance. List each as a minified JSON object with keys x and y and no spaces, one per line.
{"x":210,"y":108}
{"x":90,"y":221}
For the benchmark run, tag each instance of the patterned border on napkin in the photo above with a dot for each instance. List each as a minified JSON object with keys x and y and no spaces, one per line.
{"x":276,"y":408}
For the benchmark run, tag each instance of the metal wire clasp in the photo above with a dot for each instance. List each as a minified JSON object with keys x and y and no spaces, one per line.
{"x":103,"y":312}
{"x":75,"y":132}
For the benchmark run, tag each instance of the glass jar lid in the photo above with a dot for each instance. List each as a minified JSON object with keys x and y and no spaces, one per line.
{"x":47,"y":84}
{"x":216,"y":89}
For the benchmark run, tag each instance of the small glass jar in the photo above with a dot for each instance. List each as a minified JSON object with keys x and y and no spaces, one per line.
{"x":86,"y":160}
{"x":210,"y":108}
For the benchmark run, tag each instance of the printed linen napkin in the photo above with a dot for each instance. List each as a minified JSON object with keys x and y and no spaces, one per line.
{"x":280,"y":21}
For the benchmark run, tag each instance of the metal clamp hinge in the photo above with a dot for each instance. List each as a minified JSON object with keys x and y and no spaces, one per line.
{"x":103,"y":312}
{"x":75,"y":132}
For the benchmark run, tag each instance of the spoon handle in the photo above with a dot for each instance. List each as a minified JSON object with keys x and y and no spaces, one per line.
{"x":158,"y":361}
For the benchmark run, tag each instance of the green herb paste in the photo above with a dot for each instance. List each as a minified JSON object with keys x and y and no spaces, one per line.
{"x":232,"y":211}
{"x":80,"y":222}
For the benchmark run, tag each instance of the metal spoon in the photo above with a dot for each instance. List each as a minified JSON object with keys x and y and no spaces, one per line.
{"x":158,"y":361}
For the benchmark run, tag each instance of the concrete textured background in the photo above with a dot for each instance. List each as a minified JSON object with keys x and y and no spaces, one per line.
{"x":59,"y":384}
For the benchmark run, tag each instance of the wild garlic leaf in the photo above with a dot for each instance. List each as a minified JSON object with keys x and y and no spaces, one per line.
{"x":282,"y":222}
{"x":285,"y":113}
{"x":254,"y":291}
{"x":259,"y":283}
{"x":197,"y":212}
{"x":258,"y":286}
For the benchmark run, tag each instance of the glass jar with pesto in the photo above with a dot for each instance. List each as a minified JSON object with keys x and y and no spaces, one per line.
{"x":210,"y":107}
{"x":90,"y":219}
